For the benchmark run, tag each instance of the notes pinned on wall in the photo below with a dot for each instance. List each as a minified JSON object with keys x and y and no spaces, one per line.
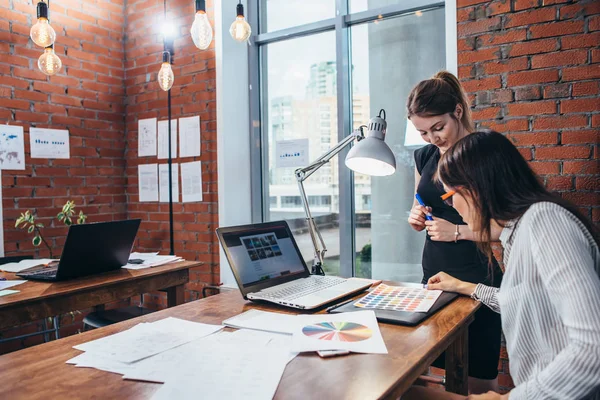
{"x":148,"y":182}
{"x":163,"y":178}
{"x":191,"y":181}
{"x":147,"y":137}
{"x":49,"y":143}
{"x":163,"y":139}
{"x":12,"y":147}
{"x":189,"y":137}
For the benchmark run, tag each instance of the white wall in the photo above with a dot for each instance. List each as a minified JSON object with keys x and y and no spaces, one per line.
{"x":233,"y":136}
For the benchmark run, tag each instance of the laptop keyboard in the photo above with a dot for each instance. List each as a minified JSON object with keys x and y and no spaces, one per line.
{"x":50,"y":272}
{"x":303,"y":288}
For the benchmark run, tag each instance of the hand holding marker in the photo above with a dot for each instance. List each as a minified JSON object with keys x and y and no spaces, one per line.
{"x":428,"y":216}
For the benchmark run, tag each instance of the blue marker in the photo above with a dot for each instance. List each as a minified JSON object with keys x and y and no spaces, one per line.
{"x":420,"y":200}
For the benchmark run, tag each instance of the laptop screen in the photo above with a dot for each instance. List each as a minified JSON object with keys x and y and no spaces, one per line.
{"x":262,"y":252}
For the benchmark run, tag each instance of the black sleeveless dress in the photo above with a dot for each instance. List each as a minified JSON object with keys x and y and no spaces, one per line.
{"x":464,"y":261}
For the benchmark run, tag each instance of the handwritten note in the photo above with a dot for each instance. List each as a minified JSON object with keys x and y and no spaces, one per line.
{"x":148,"y":182}
{"x":147,"y":137}
{"x":191,"y":181}
{"x":163,"y":139}
{"x":189,"y":137}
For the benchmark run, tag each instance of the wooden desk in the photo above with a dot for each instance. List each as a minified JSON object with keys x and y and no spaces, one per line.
{"x":41,"y":372}
{"x":37,"y":300}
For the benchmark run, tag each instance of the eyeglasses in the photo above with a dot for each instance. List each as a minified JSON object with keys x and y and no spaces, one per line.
{"x":447,"y":197}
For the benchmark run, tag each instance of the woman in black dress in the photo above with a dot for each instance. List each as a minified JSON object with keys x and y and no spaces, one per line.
{"x":439,"y":109}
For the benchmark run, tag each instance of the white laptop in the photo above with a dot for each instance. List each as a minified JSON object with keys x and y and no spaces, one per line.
{"x":268,"y":266}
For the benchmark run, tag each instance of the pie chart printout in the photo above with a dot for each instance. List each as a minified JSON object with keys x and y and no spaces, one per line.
{"x":339,"y":331}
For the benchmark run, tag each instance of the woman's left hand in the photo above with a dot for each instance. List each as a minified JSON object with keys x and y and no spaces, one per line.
{"x":440,"y":230}
{"x":488,"y":396}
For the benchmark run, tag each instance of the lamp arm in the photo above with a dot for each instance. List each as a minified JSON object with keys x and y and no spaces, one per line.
{"x":301,"y":175}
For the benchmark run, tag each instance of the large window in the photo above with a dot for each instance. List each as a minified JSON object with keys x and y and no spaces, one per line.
{"x":320,"y":76}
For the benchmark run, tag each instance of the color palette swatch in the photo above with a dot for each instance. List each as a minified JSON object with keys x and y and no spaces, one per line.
{"x":340,"y":331}
{"x":399,"y":298}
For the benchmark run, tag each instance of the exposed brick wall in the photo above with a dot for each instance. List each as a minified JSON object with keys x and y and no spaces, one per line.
{"x":87,"y":97}
{"x":193,"y":93}
{"x":531,"y":68}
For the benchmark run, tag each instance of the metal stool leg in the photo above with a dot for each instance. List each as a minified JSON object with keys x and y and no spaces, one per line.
{"x":56,"y":328}
{"x":45,"y":328}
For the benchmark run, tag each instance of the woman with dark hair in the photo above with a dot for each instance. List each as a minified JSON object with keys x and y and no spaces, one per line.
{"x":550,"y":294}
{"x":439,"y":110}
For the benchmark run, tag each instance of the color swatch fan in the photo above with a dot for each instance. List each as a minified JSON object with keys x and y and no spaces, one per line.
{"x":399,"y":298}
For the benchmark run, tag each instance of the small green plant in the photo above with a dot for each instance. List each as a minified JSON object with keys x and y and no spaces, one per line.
{"x":27,"y":221}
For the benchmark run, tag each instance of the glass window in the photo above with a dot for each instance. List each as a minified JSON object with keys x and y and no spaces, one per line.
{"x":364,"y":5}
{"x":387,"y":248}
{"x":282,"y":14}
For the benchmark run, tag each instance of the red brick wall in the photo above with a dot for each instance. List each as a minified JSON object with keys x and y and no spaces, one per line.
{"x":531,"y":68}
{"x":193,"y":93}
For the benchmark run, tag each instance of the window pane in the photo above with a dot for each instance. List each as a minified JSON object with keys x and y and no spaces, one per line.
{"x":282,"y":14}
{"x":364,"y":5}
{"x":389,"y":58}
{"x":301,"y":103}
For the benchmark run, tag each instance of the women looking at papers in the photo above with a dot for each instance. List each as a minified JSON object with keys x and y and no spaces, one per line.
{"x":550,"y":295}
{"x":439,"y":109}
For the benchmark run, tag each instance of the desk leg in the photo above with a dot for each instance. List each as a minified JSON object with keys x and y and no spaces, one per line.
{"x":457,"y":364}
{"x":175,"y":296}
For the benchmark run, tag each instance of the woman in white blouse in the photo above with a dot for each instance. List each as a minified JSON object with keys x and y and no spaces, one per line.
{"x":549,"y":298}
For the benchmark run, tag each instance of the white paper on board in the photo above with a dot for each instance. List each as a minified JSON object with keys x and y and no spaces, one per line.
{"x":49,"y":143}
{"x":147,"y":137}
{"x":12,"y":147}
{"x":163,"y":139}
{"x":291,"y":153}
{"x":189,"y":137}
{"x":163,"y":179}
{"x":191,"y":181}
{"x":148,"y":182}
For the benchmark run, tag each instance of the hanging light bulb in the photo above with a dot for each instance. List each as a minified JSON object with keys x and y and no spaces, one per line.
{"x":240,"y":29}
{"x":49,"y":63}
{"x":201,"y":31}
{"x":165,"y":75}
{"x":41,"y":32}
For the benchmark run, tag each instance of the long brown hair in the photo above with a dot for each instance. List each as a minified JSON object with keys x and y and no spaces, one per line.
{"x":440,"y":95}
{"x":490,"y":169}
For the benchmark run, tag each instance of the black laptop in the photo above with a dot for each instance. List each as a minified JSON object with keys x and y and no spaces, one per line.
{"x":90,"y":249}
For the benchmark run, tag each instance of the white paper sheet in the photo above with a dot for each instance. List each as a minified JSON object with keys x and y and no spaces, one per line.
{"x":24,"y":264}
{"x":148,"y":182}
{"x":163,"y":139}
{"x":7,"y":292}
{"x":291,"y":153}
{"x":9,"y":284}
{"x":145,"y":340}
{"x":49,"y":143}
{"x":147,"y":137}
{"x":12,"y":147}
{"x":191,"y":181}
{"x":263,"y":321}
{"x":163,"y":178}
{"x":189,"y":137}
{"x":354,"y":331}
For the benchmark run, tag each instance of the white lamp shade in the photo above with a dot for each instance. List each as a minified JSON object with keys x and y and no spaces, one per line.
{"x":371,"y":156}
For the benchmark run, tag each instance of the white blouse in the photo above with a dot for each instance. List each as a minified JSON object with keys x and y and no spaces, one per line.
{"x":550,"y":303}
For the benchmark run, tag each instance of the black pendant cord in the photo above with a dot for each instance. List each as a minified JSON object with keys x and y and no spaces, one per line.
{"x":171,"y":235}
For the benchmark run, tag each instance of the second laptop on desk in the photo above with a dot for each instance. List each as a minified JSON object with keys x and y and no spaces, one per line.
{"x":268,"y":266}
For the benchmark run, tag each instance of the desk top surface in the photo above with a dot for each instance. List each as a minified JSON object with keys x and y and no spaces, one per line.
{"x":41,"y":372}
{"x":41,"y":290}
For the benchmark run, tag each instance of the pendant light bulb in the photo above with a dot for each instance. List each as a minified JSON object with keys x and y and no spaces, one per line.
{"x":165,"y":75}
{"x":49,"y":63}
{"x":201,"y":31}
{"x":240,"y":29}
{"x":41,"y":32}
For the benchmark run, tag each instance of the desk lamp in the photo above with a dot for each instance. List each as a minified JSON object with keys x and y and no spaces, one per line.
{"x":369,"y":156}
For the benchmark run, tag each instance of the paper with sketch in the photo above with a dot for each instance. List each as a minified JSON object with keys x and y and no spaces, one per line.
{"x":191,"y":182}
{"x":148,"y":182}
{"x":163,"y":178}
{"x":24,"y":264}
{"x":244,"y":372}
{"x":163,"y":139}
{"x":291,"y":153}
{"x":189,"y":137}
{"x":49,"y":143}
{"x":145,"y":340}
{"x":354,"y":331}
{"x":147,"y":137}
{"x":9,"y":284}
{"x":12,"y":147}
{"x":263,"y":321}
